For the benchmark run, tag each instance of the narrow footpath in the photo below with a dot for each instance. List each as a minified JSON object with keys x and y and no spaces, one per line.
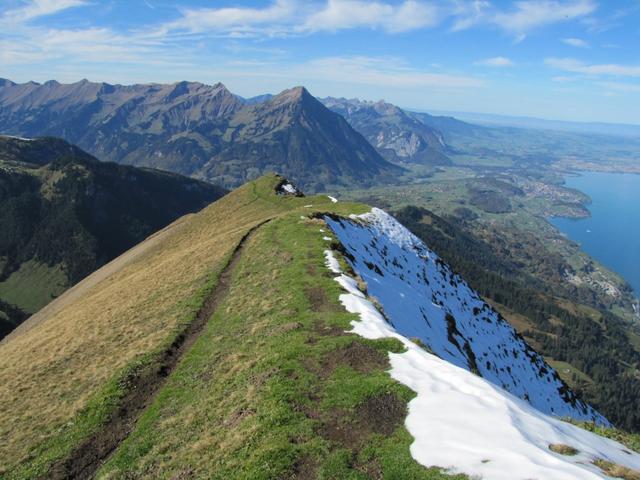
{"x":86,"y":459}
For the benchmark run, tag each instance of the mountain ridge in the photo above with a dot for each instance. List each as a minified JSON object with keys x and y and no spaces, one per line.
{"x":198,"y":130}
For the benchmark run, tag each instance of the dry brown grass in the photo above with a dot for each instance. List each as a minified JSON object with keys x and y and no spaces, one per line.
{"x":617,"y":471}
{"x":49,"y":372}
{"x":563,"y":449}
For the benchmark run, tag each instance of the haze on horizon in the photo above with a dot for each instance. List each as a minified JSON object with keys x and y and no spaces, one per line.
{"x":558,"y":59}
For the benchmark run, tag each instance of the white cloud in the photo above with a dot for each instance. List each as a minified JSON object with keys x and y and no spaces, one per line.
{"x":563,"y":79}
{"x":531,"y":14}
{"x":232,"y":20}
{"x":39,"y":8}
{"x":495,"y":62}
{"x":383,"y":72}
{"x":346,"y":14}
{"x":287,"y":17}
{"x":621,"y":87}
{"x":575,"y":42}
{"x":469,"y":14}
{"x":577,"y":66}
{"x":526,"y":15}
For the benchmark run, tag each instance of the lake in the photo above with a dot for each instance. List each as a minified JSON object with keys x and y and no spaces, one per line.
{"x":612,"y":233}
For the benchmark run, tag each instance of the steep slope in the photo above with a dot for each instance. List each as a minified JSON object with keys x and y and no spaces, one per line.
{"x":594,"y":351}
{"x":397,"y":134}
{"x":198,"y":130}
{"x":221,"y":350}
{"x":461,"y":421}
{"x":64,"y":214}
{"x":424,"y":299}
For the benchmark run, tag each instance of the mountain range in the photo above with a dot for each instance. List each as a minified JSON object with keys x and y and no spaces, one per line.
{"x":64,"y":214}
{"x":198,"y":130}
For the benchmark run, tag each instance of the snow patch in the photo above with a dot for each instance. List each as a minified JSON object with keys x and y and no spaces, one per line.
{"x":331,"y":262}
{"x":424,"y":299}
{"x":333,"y":199}
{"x":18,"y":138}
{"x":464,"y":423}
{"x":288,"y":188}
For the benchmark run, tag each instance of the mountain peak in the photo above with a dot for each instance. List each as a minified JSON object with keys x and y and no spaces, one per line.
{"x":220,"y":86}
{"x":294,"y":94}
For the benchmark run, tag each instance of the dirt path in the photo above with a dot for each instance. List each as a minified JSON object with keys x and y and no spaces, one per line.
{"x":87,"y":458}
{"x":82,"y":287}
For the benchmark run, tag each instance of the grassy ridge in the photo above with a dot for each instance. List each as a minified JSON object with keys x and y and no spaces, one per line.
{"x":255,"y":397}
{"x":275,"y":388}
{"x":70,"y":366}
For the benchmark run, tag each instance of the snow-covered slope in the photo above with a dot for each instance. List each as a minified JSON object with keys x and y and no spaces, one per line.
{"x":463,"y":423}
{"x":422,"y":298}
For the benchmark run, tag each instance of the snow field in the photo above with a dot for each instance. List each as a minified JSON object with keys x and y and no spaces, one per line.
{"x":459,"y":420}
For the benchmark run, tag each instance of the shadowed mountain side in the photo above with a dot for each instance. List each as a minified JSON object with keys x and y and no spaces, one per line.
{"x":64,"y":214}
{"x":198,"y":130}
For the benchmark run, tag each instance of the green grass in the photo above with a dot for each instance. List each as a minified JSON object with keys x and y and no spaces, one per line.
{"x":102,"y":404}
{"x":33,"y":286}
{"x":258,"y":393}
{"x":568,"y":371}
{"x":254,"y":396}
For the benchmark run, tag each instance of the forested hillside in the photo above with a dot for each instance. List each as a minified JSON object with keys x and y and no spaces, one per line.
{"x":64,"y":214}
{"x":595,"y":343}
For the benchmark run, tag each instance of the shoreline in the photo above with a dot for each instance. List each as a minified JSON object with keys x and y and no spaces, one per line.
{"x":633,"y":292}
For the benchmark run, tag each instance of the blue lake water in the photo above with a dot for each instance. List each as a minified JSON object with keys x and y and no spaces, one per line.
{"x":612,"y":233}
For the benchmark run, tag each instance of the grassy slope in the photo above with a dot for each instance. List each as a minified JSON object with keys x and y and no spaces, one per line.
{"x":274,"y":388}
{"x":33,"y":286}
{"x":260,"y":393}
{"x":67,"y":367}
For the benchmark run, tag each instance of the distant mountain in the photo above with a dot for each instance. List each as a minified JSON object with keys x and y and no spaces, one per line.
{"x":450,"y":127}
{"x":257,"y":99}
{"x":295,"y":134}
{"x":398,"y":135}
{"x":64,"y":214}
{"x":199,"y":130}
{"x":602,"y":128}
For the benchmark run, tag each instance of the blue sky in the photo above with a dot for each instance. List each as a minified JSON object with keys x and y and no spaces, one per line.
{"x":559,"y":59}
